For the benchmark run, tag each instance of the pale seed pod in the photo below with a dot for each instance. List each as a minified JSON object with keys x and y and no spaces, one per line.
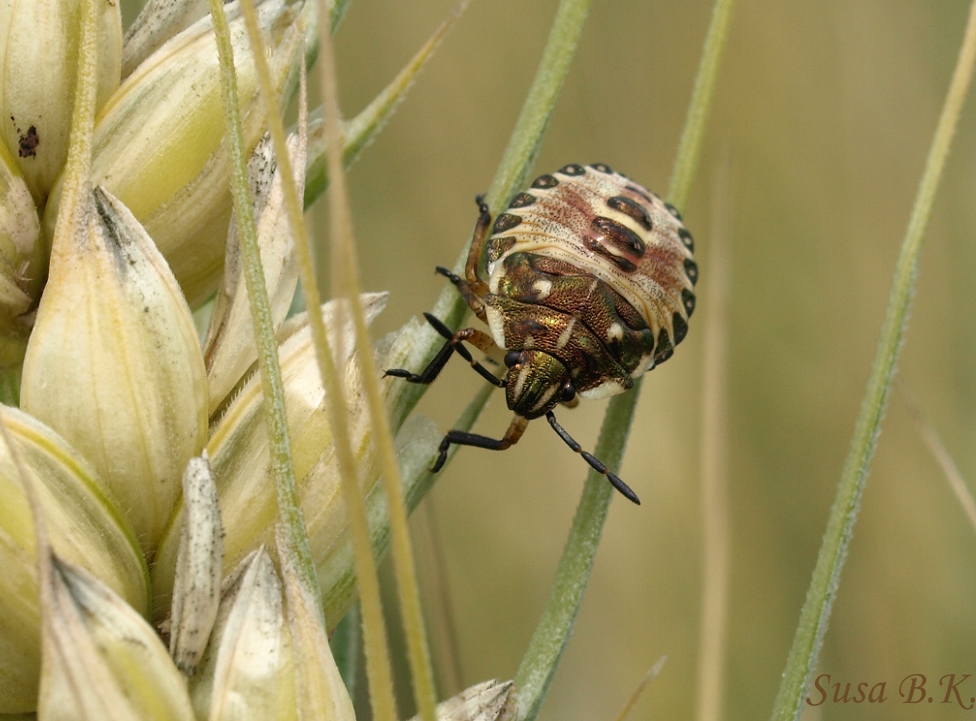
{"x":160,"y":145}
{"x":248,"y":671}
{"x":240,"y":458}
{"x":102,"y":661}
{"x":114,"y":363}
{"x":484,"y":701}
{"x":84,"y":527}
{"x":321,"y":692}
{"x":157,"y":22}
{"x":22,"y":259}
{"x":196,"y":594}
{"x":230,"y":348}
{"x":38,"y":71}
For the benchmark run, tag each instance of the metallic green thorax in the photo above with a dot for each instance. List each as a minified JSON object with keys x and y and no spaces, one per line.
{"x":551,"y":306}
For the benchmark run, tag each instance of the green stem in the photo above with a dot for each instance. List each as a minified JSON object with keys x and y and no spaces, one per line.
{"x":689,"y":147}
{"x":826,"y":576}
{"x":552,"y":634}
{"x":289,"y":512}
{"x":361,"y":130}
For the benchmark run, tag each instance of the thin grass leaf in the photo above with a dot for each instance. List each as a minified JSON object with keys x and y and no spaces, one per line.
{"x":378,"y":670}
{"x":651,"y":674}
{"x":345,"y":648}
{"x":436,"y":590}
{"x":551,"y":635}
{"x":363,"y":129}
{"x":289,"y":511}
{"x":716,"y":536}
{"x":840,"y":526}
{"x":346,"y":283}
{"x":416,"y":444}
{"x":941,"y":454}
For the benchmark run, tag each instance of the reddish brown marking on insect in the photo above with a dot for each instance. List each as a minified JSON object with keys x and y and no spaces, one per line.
{"x":663,"y":257}
{"x":528,"y":326}
{"x":569,"y":196}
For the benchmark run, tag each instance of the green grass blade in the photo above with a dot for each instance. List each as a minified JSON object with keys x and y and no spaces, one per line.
{"x":363,"y":129}
{"x":289,"y":512}
{"x":826,"y":576}
{"x":551,"y":635}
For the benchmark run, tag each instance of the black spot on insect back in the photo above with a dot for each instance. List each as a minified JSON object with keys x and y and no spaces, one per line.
{"x":497,"y":247}
{"x":686,"y":239}
{"x":691,"y":268}
{"x":597,"y":246}
{"x":544,"y":182}
{"x":522,"y":200}
{"x":573,"y":169}
{"x":602,"y":168}
{"x":688,"y":300}
{"x":673,"y":210}
{"x":619,"y":235}
{"x":664,"y":349}
{"x":680,"y":328}
{"x":631,"y":209}
{"x":506,"y":221}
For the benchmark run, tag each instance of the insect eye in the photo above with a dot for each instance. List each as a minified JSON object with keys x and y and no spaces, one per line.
{"x":512,"y":357}
{"x":569,"y":392}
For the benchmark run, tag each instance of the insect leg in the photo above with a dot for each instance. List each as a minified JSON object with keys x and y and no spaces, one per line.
{"x":463,"y":438}
{"x":476,"y":337}
{"x":595,"y":463}
{"x":455,"y":342}
{"x":475,"y":303}
{"x":428,"y":374}
{"x":481,"y":232}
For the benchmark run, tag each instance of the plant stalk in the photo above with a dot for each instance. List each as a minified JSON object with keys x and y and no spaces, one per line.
{"x":840,"y":526}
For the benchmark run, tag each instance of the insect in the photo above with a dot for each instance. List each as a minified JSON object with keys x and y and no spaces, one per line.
{"x":590,"y":284}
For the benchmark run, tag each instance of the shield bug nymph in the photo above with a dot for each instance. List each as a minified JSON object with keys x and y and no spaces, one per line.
{"x":590,"y":284}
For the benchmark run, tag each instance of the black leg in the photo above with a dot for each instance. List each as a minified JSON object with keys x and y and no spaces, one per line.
{"x":429,"y":373}
{"x":595,"y":463}
{"x":455,"y":342}
{"x":438,"y":325}
{"x":463,"y":438}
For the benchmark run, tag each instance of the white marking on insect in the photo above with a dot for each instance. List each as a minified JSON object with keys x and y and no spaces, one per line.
{"x":553,"y":387}
{"x":565,"y":335}
{"x":615,"y":332}
{"x":605,"y":389}
{"x":520,"y":381}
{"x":496,"y":324}
{"x":542,"y":288}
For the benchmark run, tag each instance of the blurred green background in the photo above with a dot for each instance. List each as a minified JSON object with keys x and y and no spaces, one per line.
{"x":823,"y":116}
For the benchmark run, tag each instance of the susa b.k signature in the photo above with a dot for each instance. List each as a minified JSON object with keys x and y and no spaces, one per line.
{"x":913,"y":688}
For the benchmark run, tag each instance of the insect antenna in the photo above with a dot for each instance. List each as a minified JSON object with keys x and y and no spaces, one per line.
{"x":595,"y":463}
